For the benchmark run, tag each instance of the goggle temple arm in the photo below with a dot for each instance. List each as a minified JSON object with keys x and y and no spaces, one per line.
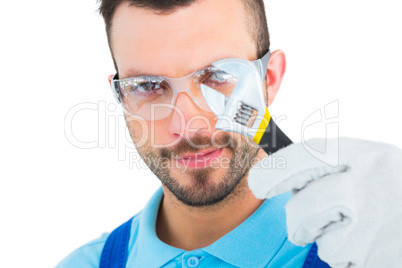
{"x":262,"y":64}
{"x":115,"y":86}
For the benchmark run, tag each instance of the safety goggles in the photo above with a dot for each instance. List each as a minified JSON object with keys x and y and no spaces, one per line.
{"x":153,"y":97}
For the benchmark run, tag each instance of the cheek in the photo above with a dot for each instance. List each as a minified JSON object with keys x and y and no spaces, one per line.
{"x":201,"y":123}
{"x":139,"y":131}
{"x":159,"y":133}
{"x":148,"y":133}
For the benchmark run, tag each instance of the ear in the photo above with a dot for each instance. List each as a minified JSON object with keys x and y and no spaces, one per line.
{"x":275,"y":72}
{"x":110,"y":79}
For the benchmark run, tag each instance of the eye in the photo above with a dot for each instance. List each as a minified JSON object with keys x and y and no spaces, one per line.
{"x":146,"y":87}
{"x":216,"y":78}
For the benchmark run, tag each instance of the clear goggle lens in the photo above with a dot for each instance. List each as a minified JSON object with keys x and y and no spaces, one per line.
{"x":151,"y":97}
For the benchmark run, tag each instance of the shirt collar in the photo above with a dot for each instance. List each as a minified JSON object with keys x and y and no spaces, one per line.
{"x":253,"y":243}
{"x":256,"y":240}
{"x":153,"y":252}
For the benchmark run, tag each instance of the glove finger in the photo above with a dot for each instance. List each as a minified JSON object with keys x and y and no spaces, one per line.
{"x":298,"y":170}
{"x":300,"y":181}
{"x":333,"y":250}
{"x":322,"y":207}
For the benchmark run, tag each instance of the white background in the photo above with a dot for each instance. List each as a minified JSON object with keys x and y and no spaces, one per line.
{"x":55,"y":197}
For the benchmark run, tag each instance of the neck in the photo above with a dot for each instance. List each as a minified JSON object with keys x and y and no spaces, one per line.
{"x":191,"y":228}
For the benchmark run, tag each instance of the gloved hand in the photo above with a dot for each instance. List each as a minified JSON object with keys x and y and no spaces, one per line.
{"x":353,"y":211}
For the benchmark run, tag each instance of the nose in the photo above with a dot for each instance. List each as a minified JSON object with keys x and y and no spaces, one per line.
{"x":186,"y":118}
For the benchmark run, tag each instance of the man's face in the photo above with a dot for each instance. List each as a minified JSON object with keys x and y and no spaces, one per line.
{"x":197,"y":163}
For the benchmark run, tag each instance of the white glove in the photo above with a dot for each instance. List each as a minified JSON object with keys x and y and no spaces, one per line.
{"x":353,"y":211}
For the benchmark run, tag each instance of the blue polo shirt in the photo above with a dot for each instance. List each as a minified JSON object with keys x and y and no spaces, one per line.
{"x":259,"y":241}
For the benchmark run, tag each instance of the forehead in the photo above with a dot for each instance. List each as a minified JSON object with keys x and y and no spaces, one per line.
{"x":181,"y":42}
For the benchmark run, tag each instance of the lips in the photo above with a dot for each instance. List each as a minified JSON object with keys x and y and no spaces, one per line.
{"x":198,"y":155}
{"x":199,"y":160}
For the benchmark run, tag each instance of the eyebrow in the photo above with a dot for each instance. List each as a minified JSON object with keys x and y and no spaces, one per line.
{"x":133,"y":72}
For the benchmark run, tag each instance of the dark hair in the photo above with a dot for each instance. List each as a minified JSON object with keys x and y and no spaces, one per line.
{"x":255,"y":18}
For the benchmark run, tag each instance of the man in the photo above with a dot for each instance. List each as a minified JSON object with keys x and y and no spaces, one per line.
{"x":204,"y":214}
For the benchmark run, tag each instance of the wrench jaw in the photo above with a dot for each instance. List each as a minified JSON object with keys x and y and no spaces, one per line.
{"x":244,"y":111}
{"x":248,"y":115}
{"x":245,"y":115}
{"x":254,"y":126}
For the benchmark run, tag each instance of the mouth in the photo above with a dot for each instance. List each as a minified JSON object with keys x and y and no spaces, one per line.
{"x":199,"y":160}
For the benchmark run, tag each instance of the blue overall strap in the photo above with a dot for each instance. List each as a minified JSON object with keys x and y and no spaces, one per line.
{"x":313,"y":261}
{"x":115,"y":250}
